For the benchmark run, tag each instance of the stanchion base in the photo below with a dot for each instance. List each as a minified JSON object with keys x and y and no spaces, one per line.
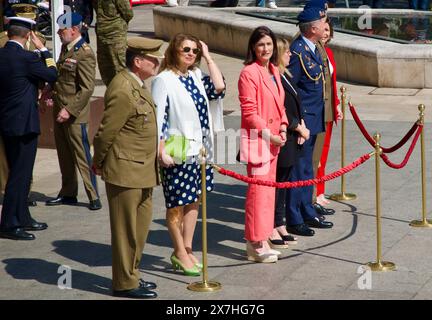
{"x":208,"y":286}
{"x":421,"y":223}
{"x":343,"y":196}
{"x":381,"y":266}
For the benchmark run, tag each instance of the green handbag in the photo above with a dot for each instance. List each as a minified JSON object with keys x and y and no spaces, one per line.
{"x":176,"y":147}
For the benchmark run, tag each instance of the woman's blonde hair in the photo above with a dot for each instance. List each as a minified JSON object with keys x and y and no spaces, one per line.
{"x":282,"y":46}
{"x":170,"y":61}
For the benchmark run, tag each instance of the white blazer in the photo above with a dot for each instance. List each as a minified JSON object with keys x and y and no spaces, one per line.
{"x":183,"y":117}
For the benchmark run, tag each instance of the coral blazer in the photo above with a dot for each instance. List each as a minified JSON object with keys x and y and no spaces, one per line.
{"x":262,"y":107}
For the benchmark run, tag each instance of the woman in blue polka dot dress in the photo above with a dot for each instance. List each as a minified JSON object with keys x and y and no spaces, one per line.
{"x":182,"y":93}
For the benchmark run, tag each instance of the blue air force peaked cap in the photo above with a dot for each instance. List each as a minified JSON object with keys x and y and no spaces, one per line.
{"x":322,"y":4}
{"x":22,"y":22}
{"x":310,"y":14}
{"x":69,"y":20}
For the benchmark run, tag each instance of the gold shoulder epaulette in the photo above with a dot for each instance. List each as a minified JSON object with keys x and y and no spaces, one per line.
{"x":86,"y":46}
{"x":50,"y":63}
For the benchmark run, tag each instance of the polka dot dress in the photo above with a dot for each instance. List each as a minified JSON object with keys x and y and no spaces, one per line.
{"x":182,"y":182}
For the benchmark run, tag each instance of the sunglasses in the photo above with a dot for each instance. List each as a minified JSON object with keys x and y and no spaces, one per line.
{"x":188,"y":49}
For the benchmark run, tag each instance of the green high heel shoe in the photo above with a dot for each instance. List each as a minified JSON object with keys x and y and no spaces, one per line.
{"x":177,"y":264}
{"x":199,"y":265}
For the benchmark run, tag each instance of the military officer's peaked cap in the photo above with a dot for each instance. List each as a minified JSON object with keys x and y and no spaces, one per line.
{"x":22,"y":22}
{"x":145,"y":46}
{"x":322,"y":4}
{"x":25,"y":10}
{"x":69,"y":20}
{"x":310,"y":14}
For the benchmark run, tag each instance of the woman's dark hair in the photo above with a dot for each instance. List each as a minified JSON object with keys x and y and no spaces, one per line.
{"x":331,"y":29}
{"x":256,"y":36}
{"x":170,"y":61}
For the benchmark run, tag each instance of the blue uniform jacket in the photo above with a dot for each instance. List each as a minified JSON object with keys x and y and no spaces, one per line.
{"x":20,"y":74}
{"x":310,"y":91}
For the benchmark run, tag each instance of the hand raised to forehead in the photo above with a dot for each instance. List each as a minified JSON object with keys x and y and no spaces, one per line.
{"x":205,"y":51}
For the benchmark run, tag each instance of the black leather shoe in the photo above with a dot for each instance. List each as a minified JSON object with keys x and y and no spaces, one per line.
{"x":36,"y":226}
{"x":301,"y":230}
{"x":31,"y":203}
{"x":147,"y":284}
{"x":95,"y":204}
{"x":322,"y":210}
{"x":321,"y":217}
{"x":317,"y":223}
{"x":62,"y":200}
{"x":16,"y":234}
{"x":137,"y":293}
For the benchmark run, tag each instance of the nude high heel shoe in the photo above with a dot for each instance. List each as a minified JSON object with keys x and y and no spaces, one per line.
{"x":263,"y":257}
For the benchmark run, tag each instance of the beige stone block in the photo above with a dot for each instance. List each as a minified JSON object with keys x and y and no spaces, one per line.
{"x":401,"y":73}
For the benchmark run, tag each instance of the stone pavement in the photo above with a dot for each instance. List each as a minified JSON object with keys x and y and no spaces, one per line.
{"x":321,"y":267}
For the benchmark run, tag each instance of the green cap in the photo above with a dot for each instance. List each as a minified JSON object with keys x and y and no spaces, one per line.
{"x":145,"y":46}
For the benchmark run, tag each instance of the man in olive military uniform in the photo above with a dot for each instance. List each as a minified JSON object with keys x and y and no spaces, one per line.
{"x":112,"y":18}
{"x":125,"y":155}
{"x":71,"y":97}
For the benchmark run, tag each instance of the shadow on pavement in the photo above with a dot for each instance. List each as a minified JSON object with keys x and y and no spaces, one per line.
{"x":85,"y":252}
{"x":47,"y":272}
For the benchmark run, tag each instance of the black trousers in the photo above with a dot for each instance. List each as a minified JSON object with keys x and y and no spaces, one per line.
{"x":282,"y":175}
{"x":20,"y":155}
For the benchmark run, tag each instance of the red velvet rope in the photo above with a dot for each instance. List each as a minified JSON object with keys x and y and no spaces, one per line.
{"x":407,"y":156}
{"x":372,"y":141}
{"x":296,"y":184}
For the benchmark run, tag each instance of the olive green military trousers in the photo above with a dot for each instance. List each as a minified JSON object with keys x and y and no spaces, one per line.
{"x":73,"y":151}
{"x":111,"y":58}
{"x":130,"y":218}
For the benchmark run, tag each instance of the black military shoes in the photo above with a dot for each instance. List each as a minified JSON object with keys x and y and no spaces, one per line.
{"x":16,"y":234}
{"x":95,"y":204}
{"x":36,"y":226}
{"x":317,"y":223}
{"x":137,"y":293}
{"x":301,"y":230}
{"x":62,"y":200}
{"x":147,"y":284}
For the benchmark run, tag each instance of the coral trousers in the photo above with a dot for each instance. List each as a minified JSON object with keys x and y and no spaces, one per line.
{"x":260,"y":202}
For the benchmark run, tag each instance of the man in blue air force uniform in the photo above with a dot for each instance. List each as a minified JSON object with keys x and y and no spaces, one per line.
{"x":307,"y":66}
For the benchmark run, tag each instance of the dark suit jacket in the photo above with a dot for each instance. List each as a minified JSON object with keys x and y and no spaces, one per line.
{"x":20,"y":73}
{"x":290,"y":151}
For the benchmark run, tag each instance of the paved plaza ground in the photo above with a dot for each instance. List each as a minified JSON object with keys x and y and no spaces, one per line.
{"x":321,"y":267}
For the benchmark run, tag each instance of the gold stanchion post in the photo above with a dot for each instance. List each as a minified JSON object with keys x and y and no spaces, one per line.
{"x":425,"y":223}
{"x":205,"y":285}
{"x":379,"y":265}
{"x":343,"y":195}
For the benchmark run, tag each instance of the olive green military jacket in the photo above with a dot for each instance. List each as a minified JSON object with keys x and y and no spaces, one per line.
{"x":328,"y":113}
{"x":76,"y":81}
{"x":112,"y":18}
{"x":126,"y":143}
